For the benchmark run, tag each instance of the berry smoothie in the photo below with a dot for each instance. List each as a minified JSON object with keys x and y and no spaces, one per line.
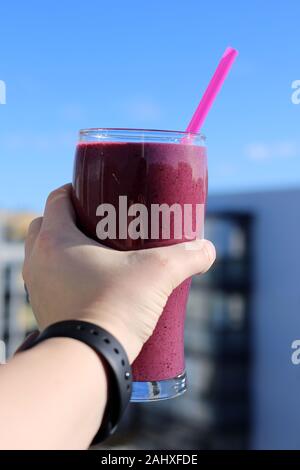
{"x":147,"y":173}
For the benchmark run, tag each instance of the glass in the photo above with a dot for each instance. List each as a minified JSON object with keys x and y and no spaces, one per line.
{"x":161,"y":171}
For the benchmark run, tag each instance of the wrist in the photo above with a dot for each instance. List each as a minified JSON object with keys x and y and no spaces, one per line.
{"x":120,"y":331}
{"x":79,"y":380}
{"x":114,"y":356}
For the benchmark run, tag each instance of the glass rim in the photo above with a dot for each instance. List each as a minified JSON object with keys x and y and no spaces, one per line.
{"x":123,"y":130}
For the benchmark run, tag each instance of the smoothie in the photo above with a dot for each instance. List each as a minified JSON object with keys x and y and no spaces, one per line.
{"x":147,"y":173}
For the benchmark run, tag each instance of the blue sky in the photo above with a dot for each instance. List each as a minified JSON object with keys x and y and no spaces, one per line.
{"x":69,"y":65}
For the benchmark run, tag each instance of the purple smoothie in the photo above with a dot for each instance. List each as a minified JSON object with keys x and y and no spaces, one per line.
{"x":148,"y":173}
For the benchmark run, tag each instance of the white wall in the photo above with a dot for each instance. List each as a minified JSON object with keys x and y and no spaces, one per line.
{"x":275,"y":313}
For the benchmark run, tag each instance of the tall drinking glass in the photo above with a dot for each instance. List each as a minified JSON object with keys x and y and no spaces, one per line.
{"x":156,"y":182}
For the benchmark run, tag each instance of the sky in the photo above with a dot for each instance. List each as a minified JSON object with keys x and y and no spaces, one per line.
{"x":70,"y":65}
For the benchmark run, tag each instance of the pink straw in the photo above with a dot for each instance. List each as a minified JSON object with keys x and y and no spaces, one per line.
{"x":212,"y":90}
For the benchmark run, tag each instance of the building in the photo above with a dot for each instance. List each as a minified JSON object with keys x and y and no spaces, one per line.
{"x":16,"y":318}
{"x":274,"y":313}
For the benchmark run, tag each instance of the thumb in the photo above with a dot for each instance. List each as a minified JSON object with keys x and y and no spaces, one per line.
{"x":189,"y":258}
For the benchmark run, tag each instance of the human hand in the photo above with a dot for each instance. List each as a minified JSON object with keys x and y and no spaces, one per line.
{"x":70,"y":276}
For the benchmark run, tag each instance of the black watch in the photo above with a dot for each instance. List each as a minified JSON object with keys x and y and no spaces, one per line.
{"x":116,"y":365}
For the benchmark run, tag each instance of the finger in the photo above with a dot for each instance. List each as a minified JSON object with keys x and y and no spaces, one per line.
{"x":32,"y":234}
{"x":186,"y":259}
{"x":59,"y":213}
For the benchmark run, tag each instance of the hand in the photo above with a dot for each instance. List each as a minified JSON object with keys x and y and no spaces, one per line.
{"x":70,"y":276}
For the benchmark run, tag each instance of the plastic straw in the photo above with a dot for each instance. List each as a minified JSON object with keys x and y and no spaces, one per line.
{"x":212,"y":90}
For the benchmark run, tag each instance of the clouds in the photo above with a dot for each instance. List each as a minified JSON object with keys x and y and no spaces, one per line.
{"x":269,"y":151}
{"x":142,"y":109}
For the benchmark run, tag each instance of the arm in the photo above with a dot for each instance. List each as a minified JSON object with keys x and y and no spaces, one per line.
{"x":53,"y":396}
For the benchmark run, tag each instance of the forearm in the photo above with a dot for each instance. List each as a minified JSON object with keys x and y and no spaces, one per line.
{"x":52,"y":396}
